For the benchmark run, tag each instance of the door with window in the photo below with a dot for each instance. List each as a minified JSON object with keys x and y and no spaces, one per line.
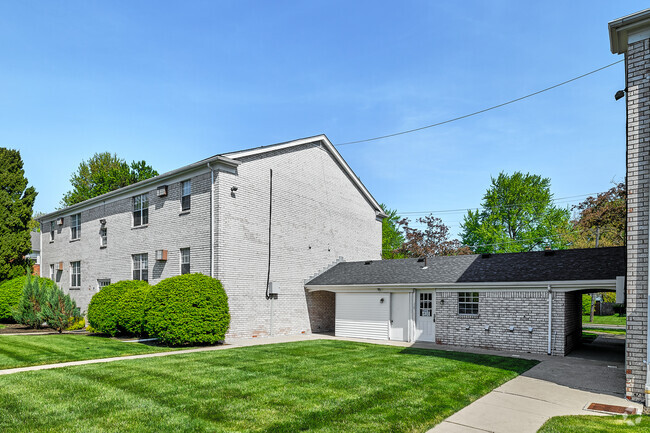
{"x":425,"y":316}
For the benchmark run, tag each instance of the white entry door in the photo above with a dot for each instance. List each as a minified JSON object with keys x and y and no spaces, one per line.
{"x":399,"y":316}
{"x":425,"y":325}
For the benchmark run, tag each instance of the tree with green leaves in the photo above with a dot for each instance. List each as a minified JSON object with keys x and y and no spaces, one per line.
{"x":16,"y":205}
{"x":517,"y":214}
{"x":392,"y":236}
{"x":102,"y":173}
{"x":432,"y":240}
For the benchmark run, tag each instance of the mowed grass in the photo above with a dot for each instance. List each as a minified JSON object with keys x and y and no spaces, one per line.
{"x":316,"y":386}
{"x":596,"y":424}
{"x":26,"y":350}
{"x":614,"y":319}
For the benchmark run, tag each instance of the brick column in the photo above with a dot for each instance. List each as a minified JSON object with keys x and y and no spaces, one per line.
{"x":631,"y":36}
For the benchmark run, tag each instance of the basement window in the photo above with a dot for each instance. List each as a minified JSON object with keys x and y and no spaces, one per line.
{"x":468,"y":303}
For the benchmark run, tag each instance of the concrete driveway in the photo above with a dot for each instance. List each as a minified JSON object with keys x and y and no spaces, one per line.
{"x":594,"y":373}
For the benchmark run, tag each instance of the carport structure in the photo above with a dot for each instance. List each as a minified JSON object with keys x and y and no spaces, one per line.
{"x":528,"y":302}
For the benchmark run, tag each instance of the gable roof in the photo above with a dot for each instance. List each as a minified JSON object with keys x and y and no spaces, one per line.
{"x":330,"y":147}
{"x":538,"y":266}
{"x":226,"y":159}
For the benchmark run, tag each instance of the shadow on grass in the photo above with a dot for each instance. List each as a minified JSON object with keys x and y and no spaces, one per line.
{"x":516,"y":365}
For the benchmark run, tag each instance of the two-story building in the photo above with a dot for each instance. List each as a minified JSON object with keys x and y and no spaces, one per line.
{"x":263,"y":221}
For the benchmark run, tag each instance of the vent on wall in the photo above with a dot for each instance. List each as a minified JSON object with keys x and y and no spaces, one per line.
{"x":60,"y":221}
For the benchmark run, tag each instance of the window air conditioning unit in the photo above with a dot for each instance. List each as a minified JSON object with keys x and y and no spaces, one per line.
{"x":60,"y":221}
{"x":60,"y":266}
{"x":161,"y":255}
{"x":274,"y":288}
{"x":161,"y":191}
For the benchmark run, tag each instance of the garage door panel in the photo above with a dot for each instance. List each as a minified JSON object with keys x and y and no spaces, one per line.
{"x":362,"y":315}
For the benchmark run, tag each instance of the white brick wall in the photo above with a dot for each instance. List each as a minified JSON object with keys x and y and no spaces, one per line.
{"x":319,"y":217}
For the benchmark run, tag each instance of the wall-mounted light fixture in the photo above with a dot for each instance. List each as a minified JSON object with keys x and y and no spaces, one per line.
{"x":620,"y":94}
{"x":487,"y":327}
{"x":511,"y":329}
{"x":381,"y":301}
{"x":233,"y":188}
{"x":530,"y":329}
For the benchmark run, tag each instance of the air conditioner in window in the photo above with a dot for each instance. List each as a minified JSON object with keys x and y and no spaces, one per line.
{"x":161,"y":191}
{"x":60,"y":266}
{"x":60,"y":221}
{"x":161,"y":255}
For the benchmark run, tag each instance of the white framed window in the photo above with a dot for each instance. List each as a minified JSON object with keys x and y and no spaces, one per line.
{"x":140,"y":267}
{"x":468,"y":303}
{"x":186,"y":195}
{"x":75,"y":226}
{"x":75,"y":274}
{"x":185,"y":261}
{"x":52,"y":271}
{"x":141,"y":210}
{"x":103,"y":283}
{"x":52,"y":228}
{"x":103,"y":237}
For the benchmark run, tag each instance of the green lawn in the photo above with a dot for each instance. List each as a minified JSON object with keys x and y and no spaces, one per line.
{"x":596,"y":424}
{"x":604,"y":331}
{"x":605,"y":320}
{"x":316,"y":386}
{"x":26,"y":350}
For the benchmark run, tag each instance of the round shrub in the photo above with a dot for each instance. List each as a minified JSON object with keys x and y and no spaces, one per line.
{"x":105,"y":311}
{"x":187,"y":309}
{"x":130,"y":316}
{"x":11,"y":292}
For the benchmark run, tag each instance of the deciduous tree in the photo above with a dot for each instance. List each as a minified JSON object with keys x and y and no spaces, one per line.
{"x":433,"y":240}
{"x":103,"y":173}
{"x":392,"y":236}
{"x":516,"y":214}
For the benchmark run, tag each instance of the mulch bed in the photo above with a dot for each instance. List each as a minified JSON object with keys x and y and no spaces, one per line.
{"x":16,"y":328}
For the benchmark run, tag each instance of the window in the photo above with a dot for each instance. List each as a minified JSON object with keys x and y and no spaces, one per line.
{"x":75,"y":274}
{"x":185,"y":261}
{"x":103,"y":238}
{"x":52,"y":272}
{"x":468,"y":303}
{"x":75,"y":226}
{"x":140,"y":210}
{"x":103,"y":283}
{"x":52,"y":228}
{"x":140,"y":267}
{"x":426,"y":304}
{"x":186,"y":194}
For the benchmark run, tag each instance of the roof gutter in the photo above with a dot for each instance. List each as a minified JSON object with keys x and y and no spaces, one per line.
{"x":558,"y":286}
{"x":160,"y":178}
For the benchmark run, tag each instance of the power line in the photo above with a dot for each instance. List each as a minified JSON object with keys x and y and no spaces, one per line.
{"x":483,"y":110}
{"x":498,"y":207}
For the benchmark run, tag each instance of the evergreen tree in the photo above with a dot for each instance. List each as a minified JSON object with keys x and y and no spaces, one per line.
{"x":30,"y":309}
{"x":16,"y":205}
{"x":59,"y":309}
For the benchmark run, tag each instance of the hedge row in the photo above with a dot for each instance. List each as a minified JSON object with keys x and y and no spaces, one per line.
{"x":187,"y":309}
{"x":11,"y":292}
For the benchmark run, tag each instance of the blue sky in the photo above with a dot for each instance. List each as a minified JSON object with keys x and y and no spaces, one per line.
{"x":175,"y":82}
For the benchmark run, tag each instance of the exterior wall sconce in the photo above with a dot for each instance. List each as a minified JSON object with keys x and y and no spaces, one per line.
{"x":233,"y":188}
{"x":511,"y":329}
{"x":530,"y":329}
{"x":487,"y":327}
{"x":467,"y":327}
{"x":381,"y":301}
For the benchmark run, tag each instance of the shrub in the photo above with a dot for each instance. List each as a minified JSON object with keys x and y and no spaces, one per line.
{"x":10,"y":294}
{"x":109,"y":312}
{"x":187,"y":309}
{"x":59,"y":309}
{"x":75,"y":325}
{"x":29,"y":310}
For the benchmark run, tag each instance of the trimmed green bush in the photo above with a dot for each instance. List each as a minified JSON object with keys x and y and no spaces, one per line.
{"x":130,"y":317}
{"x":59,"y":309}
{"x":187,"y":309}
{"x":108,"y":312}
{"x":11,"y":294}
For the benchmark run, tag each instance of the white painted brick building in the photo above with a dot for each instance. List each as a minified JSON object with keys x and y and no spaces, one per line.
{"x":319,"y":213}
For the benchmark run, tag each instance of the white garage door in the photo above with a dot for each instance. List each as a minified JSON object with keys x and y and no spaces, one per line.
{"x":362,"y":315}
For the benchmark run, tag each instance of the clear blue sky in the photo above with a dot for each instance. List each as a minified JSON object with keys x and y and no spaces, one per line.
{"x":175,"y":82}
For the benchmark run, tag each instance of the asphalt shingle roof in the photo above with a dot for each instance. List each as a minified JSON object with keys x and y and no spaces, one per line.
{"x":562,"y":265}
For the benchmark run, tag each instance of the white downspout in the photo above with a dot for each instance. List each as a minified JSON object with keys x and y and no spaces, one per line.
{"x":211,"y":220}
{"x":40,"y":253}
{"x":550,"y":317}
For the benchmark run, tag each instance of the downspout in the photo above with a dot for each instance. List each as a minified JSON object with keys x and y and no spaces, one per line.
{"x":40,"y":253}
{"x":550,"y":317}
{"x":211,"y":220}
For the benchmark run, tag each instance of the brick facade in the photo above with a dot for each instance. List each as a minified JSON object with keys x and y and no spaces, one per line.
{"x":319,"y":217}
{"x":638,"y":174}
{"x":501,"y":310}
